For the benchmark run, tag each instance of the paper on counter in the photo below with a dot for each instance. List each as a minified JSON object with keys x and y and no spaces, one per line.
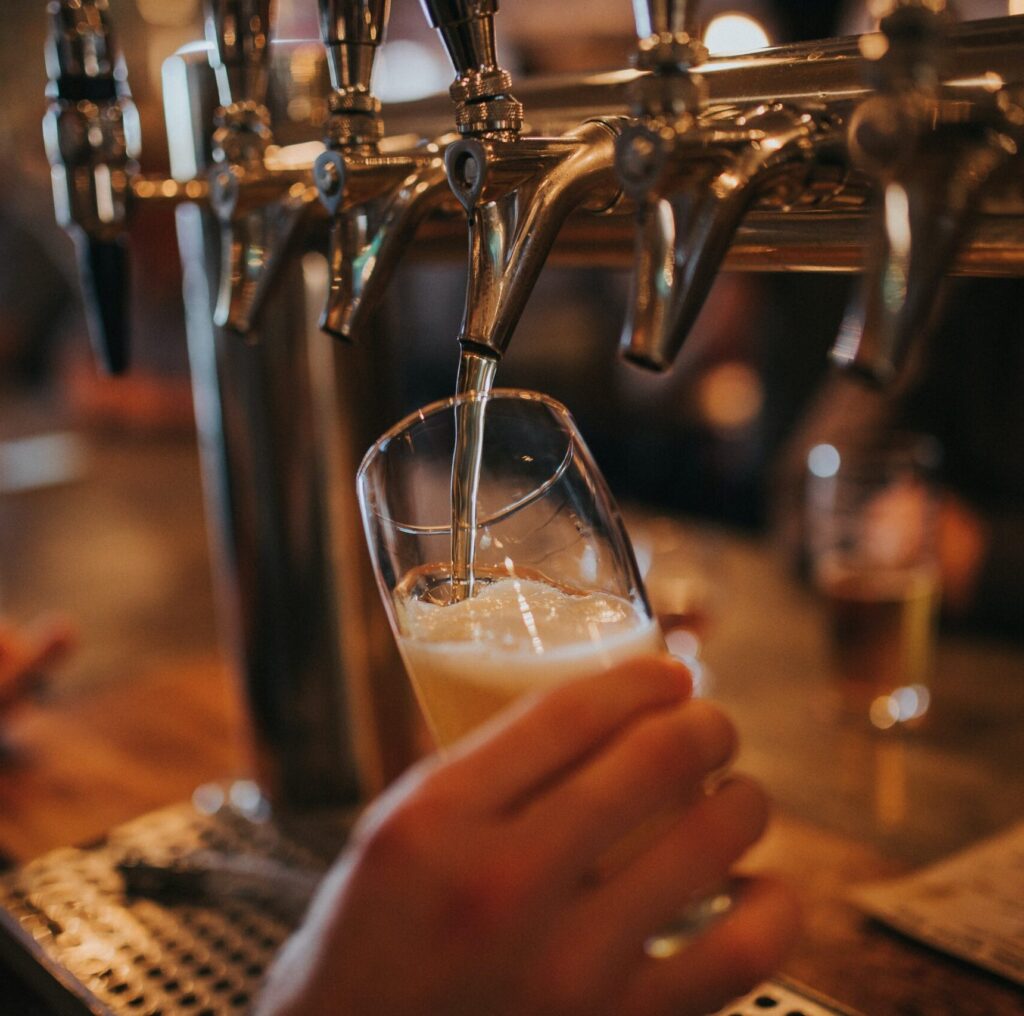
{"x":970,"y":905}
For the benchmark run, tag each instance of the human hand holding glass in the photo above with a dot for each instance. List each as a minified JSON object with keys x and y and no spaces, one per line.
{"x":491,"y":877}
{"x":471,"y":885}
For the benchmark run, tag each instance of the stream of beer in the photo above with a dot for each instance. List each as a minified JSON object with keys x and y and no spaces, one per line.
{"x":476,"y":374}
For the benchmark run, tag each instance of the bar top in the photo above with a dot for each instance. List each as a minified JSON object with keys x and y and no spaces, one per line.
{"x":852,"y":805}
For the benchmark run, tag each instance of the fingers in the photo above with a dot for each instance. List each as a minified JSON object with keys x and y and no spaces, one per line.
{"x":541,"y":737}
{"x":655,"y":765}
{"x":733,"y":956}
{"x":691,"y":857}
{"x":25,"y":656}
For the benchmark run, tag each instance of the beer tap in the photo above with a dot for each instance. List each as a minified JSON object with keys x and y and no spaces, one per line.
{"x":517,"y":189}
{"x":375,"y":199}
{"x":91,"y":130}
{"x":693,"y":171}
{"x":259,"y":201}
{"x":931,"y":155}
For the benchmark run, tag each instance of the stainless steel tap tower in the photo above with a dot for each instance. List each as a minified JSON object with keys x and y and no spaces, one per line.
{"x":896,"y":154}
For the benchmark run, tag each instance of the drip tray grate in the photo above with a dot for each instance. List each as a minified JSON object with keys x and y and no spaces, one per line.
{"x":69,"y":929}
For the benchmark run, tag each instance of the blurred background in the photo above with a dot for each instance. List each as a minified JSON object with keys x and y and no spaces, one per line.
{"x":101,"y":514}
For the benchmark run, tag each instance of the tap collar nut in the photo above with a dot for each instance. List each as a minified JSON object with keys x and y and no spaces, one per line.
{"x":343,"y":130}
{"x":482,"y":83}
{"x":500,"y":114}
{"x":353,"y":100}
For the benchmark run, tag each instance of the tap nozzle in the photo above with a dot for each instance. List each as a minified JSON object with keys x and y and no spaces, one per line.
{"x":254,"y":235}
{"x":692,"y":173}
{"x":484,"y":104}
{"x":517,"y":194}
{"x":92,"y":135}
{"x":692,"y":190}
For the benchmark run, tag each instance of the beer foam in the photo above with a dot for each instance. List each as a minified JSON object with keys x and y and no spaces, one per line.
{"x":522,"y":616}
{"x":469,"y":659}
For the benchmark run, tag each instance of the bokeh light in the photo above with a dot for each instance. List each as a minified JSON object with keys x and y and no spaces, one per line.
{"x":732,"y":33}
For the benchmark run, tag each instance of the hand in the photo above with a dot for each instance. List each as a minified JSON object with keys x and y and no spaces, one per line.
{"x":478,"y":884}
{"x":25,"y":657}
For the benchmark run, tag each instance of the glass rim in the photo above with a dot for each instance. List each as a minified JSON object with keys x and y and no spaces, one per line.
{"x":433,"y":408}
{"x":424,"y":413}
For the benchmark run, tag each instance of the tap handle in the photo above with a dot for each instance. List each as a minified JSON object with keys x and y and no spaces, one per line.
{"x":669,"y":35}
{"x":467,"y":31}
{"x":666,"y":17}
{"x":92,"y":135}
{"x":481,"y":90}
{"x":82,"y":60}
{"x":103,"y":269}
{"x":239,"y":35}
{"x":351,"y":31}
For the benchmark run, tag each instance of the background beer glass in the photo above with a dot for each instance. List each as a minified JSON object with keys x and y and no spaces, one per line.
{"x":557,"y":594}
{"x":871,"y":527}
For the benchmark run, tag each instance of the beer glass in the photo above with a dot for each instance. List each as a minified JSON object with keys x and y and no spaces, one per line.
{"x":871,"y":527}
{"x":554,"y":592}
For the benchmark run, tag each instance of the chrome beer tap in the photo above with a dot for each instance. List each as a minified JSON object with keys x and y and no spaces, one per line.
{"x":693,"y":169}
{"x":933,"y":154}
{"x":517,"y":189}
{"x":91,"y":130}
{"x":376,"y":198}
{"x":259,"y":200}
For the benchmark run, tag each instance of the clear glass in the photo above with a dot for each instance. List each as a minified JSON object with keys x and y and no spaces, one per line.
{"x":871,"y":528}
{"x":556,"y":591}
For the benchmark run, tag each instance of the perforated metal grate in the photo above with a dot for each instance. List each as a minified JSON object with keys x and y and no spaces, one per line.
{"x":68,"y":927}
{"x":783,"y":998}
{"x":66,"y":920}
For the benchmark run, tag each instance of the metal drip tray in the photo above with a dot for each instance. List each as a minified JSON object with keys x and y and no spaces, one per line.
{"x":69,"y":928}
{"x":88,"y":948}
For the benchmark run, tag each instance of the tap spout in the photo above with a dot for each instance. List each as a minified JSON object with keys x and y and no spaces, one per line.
{"x":92,"y":135}
{"x":375,"y":200}
{"x":376,"y":207}
{"x":254,"y":236}
{"x":517,"y":195}
{"x":924,"y":216}
{"x":692,"y":191}
{"x":930,"y":158}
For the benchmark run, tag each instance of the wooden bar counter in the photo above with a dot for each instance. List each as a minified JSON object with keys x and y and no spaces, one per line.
{"x":852,"y":805}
